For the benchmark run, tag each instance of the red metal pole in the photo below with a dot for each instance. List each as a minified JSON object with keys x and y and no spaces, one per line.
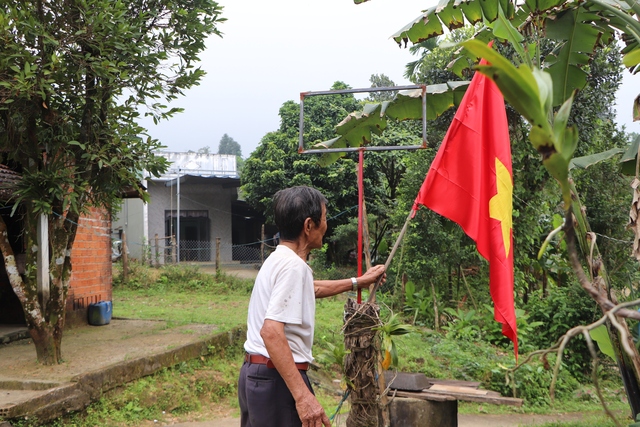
{"x":360,"y":219}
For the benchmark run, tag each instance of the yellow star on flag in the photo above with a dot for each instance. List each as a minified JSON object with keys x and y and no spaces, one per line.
{"x":501,"y":205}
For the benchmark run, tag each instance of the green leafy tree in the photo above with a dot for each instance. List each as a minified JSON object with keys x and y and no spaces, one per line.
{"x":73,"y":77}
{"x":229,"y":145}
{"x":421,"y":50}
{"x":381,"y":81}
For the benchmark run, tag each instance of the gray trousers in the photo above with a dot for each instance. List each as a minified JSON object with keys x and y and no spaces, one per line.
{"x":265,"y":400}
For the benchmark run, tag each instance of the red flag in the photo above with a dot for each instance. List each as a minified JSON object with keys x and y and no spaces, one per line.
{"x":470,"y":182}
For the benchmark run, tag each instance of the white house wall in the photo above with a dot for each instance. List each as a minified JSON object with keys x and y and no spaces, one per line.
{"x":131,"y":219}
{"x":213,"y":198}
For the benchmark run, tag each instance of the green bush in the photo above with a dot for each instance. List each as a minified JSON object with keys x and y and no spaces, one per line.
{"x":182,"y":273}
{"x":527,"y":330}
{"x":442,"y":356}
{"x":233,"y":283}
{"x":464,"y":324}
{"x":181,"y":277}
{"x":417,"y":304}
{"x":562,"y":309}
{"x":533,"y":382}
{"x":323,"y":270}
{"x":140,"y":276}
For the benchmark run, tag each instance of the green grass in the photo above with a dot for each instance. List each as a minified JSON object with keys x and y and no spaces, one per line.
{"x":181,"y":295}
{"x":205,"y":388}
{"x":181,"y":308}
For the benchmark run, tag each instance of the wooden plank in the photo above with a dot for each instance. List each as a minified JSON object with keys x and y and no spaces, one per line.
{"x":472,"y":384}
{"x":439,"y":395}
{"x":495,"y":400}
{"x":422,"y":395}
{"x":457,"y":389}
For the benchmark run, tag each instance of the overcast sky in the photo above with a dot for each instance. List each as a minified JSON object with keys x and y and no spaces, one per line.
{"x":273,"y":50}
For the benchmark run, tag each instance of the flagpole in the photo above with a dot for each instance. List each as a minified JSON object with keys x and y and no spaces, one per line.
{"x":372,"y":294}
{"x":360,"y":215}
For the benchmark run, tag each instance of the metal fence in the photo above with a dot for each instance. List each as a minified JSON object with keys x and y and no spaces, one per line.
{"x":194,"y":251}
{"x":165,"y":251}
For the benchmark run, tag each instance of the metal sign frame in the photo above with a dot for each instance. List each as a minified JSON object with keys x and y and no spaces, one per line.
{"x":362,"y":149}
{"x":303,"y":95}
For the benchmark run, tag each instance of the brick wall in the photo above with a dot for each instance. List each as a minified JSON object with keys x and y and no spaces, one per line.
{"x":91,"y":262}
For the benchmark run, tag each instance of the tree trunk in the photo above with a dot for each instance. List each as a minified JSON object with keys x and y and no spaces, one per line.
{"x":363,"y":346}
{"x":45,"y":325}
{"x":48,"y":344}
{"x":449,"y":284}
{"x":598,"y":286}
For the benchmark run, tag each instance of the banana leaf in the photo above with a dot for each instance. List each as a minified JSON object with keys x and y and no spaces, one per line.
{"x":356,"y":129}
{"x":579,"y":37}
{"x":629,"y":158}
{"x":585,"y":161}
{"x":580,"y":27}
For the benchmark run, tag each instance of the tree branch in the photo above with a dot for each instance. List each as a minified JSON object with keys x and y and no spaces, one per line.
{"x":560,"y":346}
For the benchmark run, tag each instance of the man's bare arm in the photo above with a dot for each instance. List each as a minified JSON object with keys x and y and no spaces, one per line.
{"x":328,"y":288}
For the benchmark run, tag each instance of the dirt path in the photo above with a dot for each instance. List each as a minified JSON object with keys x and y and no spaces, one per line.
{"x":513,"y":420}
{"x":464,"y":420}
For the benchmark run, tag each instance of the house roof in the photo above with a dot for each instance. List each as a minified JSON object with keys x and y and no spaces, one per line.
{"x":221,"y":166}
{"x":197,"y":180}
{"x":8,"y":181}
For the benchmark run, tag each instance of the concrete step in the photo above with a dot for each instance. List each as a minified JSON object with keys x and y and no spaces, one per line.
{"x":9,"y":333}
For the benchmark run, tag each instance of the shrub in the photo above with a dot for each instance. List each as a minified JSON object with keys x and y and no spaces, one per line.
{"x":323,"y":270}
{"x":561,"y":310}
{"x":181,"y":277}
{"x":140,"y":276}
{"x":533,"y":382}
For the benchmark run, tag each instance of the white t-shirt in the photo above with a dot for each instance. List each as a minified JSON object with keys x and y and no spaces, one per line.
{"x":283,"y":292}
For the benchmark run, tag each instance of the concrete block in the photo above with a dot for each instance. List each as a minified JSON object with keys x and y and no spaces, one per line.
{"x":408,"y":412}
{"x":406,"y":381}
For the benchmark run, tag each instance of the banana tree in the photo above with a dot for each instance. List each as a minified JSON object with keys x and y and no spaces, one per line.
{"x":578,"y":27}
{"x":534,"y":92}
{"x":541,"y":82}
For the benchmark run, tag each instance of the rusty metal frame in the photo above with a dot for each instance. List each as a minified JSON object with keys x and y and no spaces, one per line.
{"x":303,"y":95}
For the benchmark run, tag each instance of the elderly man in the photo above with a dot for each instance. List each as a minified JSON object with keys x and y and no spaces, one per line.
{"x":273,"y":389}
